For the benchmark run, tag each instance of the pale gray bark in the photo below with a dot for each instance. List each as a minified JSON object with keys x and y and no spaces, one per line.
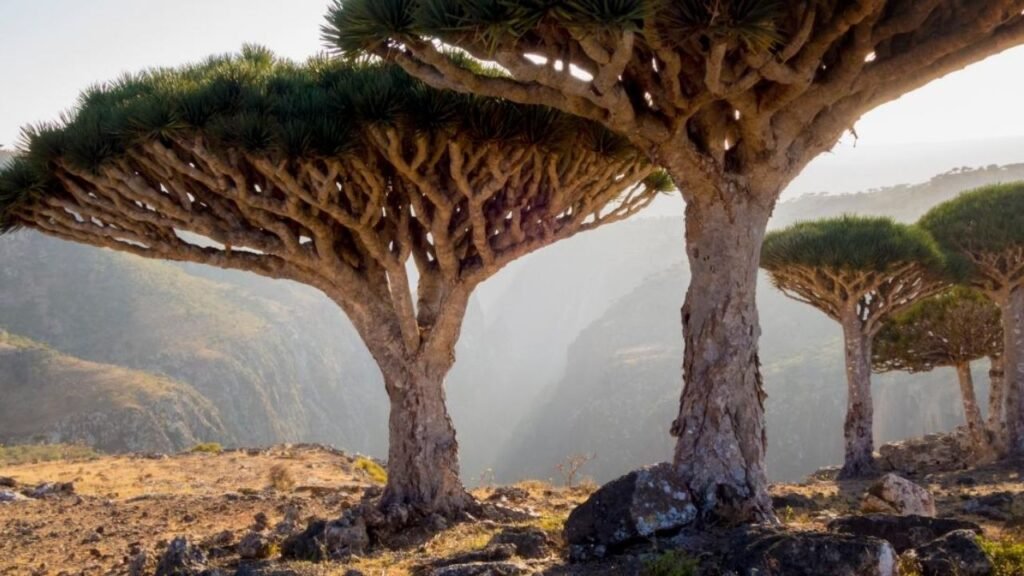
{"x":996,"y":422}
{"x":1013,"y":358}
{"x":972,"y":413}
{"x":423,"y":459}
{"x":859,"y":453}
{"x":720,"y":428}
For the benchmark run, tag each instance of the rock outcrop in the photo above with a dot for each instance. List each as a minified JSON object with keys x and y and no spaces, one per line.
{"x":61,"y":399}
{"x":893,"y":494}
{"x":637,"y":506}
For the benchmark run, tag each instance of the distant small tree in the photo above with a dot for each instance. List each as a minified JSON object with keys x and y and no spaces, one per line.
{"x":858,"y":271}
{"x":950,"y":329}
{"x":983,"y":230}
{"x":394,"y":199}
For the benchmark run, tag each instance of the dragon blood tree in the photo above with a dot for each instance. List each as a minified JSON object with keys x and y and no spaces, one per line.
{"x":733,"y":98}
{"x":951,"y":329}
{"x":858,"y":271}
{"x":984,"y":230}
{"x":351,"y":179}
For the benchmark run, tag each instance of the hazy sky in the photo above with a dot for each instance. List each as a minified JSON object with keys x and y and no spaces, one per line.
{"x":51,"y":49}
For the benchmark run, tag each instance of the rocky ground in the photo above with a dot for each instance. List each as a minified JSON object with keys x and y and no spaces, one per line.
{"x":235,"y":511}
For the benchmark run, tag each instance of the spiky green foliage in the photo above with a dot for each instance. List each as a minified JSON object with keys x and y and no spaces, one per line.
{"x":256,"y":102}
{"x":988,"y":220}
{"x":357,"y":25}
{"x":955,"y":327}
{"x":854,"y":243}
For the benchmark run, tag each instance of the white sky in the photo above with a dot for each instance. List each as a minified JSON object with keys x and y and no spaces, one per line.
{"x":51,"y":49}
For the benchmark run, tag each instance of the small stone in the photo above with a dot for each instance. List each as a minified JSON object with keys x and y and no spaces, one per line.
{"x":481,"y":569}
{"x":9,"y":496}
{"x":260,"y":522}
{"x":527,"y":542}
{"x":7,"y":482}
{"x":48,"y":489}
{"x":955,"y":554}
{"x":900,"y":495}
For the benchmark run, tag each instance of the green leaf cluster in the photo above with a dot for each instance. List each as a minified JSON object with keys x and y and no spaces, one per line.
{"x":259,"y":103}
{"x":855,"y":243}
{"x":956,"y":326}
{"x":988,"y":219}
{"x":354,"y":26}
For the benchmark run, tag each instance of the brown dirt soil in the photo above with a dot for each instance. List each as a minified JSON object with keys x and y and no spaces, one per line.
{"x":125,"y":503}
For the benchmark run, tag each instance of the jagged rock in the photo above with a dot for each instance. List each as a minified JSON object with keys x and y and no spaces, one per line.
{"x":182,"y":559}
{"x":528,"y":541}
{"x":323,"y":540}
{"x":955,"y":554}
{"x":768,"y":552}
{"x":481,"y":569}
{"x":255,"y":546}
{"x":897,"y":495}
{"x":634,"y":507}
{"x":903,"y":532}
{"x":931,"y":453}
{"x":52,"y":489}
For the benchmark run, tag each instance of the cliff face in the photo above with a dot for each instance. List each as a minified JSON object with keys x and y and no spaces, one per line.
{"x":58,"y":398}
{"x":277,"y":361}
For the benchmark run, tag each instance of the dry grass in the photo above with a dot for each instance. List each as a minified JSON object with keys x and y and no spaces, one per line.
{"x":281,"y":478}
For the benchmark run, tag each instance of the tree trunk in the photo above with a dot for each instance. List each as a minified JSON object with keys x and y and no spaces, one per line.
{"x":423,"y":460}
{"x":860,"y":446}
{"x":720,"y":429}
{"x":972,"y":413}
{"x":1013,"y":359}
{"x":996,"y":403}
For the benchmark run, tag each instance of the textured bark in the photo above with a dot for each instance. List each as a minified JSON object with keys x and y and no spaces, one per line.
{"x":423,"y":461}
{"x":1013,"y":358}
{"x":720,"y":429}
{"x":972,"y":413}
{"x":860,"y":446}
{"x":996,"y":423}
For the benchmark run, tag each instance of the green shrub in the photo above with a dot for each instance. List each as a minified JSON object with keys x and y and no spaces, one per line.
{"x":208,"y":448}
{"x":375,"y":471}
{"x":1007,"y":556}
{"x":671,"y":563}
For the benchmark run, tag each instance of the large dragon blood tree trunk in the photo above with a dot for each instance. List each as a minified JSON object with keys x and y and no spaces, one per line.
{"x":720,"y":427}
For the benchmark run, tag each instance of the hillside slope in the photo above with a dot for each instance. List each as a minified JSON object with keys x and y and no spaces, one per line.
{"x":278,"y":365}
{"x":59,"y":398}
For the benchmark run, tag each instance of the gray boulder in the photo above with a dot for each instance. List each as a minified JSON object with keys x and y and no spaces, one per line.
{"x":182,"y":559}
{"x":632,"y":508}
{"x":893,"y":494}
{"x":768,"y":552}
